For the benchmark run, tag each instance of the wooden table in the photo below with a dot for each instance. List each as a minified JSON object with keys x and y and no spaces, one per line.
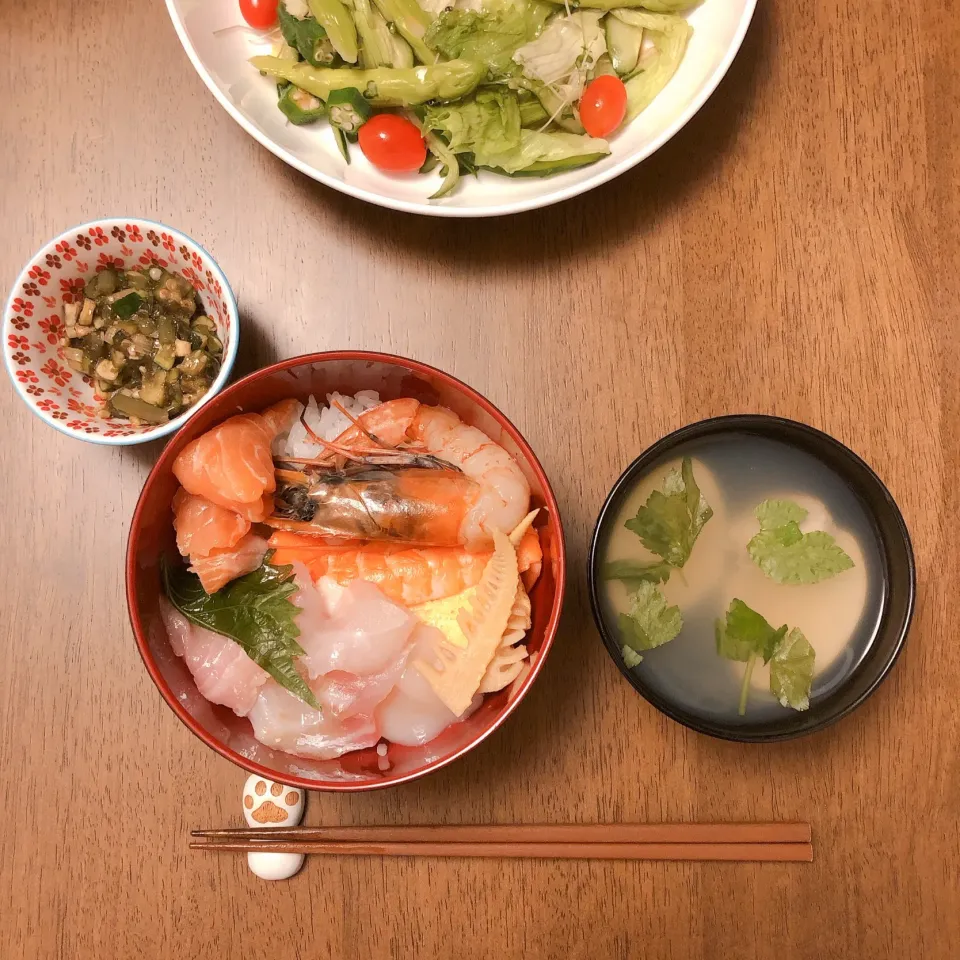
{"x":794,"y":250}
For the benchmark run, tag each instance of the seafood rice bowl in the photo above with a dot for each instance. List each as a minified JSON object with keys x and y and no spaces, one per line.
{"x":352,"y":580}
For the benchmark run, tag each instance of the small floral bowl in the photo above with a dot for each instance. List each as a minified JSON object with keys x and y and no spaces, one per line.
{"x":56,"y":274}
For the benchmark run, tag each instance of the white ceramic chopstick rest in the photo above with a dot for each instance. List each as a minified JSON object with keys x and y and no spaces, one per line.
{"x":269,"y":804}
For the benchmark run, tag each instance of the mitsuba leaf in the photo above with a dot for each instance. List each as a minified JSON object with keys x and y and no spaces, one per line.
{"x":650,"y":622}
{"x":786,"y":554}
{"x":671,"y":520}
{"x":635,"y":572}
{"x":791,"y":671}
{"x":746,"y":633}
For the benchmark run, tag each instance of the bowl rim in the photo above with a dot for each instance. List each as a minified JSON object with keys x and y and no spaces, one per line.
{"x":550,"y":631}
{"x":171,"y":426}
{"x":423,"y":207}
{"x":714,"y":426}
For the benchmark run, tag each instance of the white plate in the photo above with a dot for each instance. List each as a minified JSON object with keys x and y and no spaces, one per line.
{"x":219,"y":45}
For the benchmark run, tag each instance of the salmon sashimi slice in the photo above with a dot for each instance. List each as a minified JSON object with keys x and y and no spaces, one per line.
{"x":282,"y":416}
{"x":406,"y":575}
{"x":232,"y":464}
{"x":203,"y":526}
{"x":222,"y":565}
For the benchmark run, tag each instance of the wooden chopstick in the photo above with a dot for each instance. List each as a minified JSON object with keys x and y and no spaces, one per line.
{"x":783,"y":852}
{"x":526,"y":833}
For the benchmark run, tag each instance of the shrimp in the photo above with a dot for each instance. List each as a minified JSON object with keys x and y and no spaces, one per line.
{"x":446,"y":484}
{"x":406,"y":574}
{"x":415,"y":505}
{"x":504,"y":495}
{"x":386,"y":424}
{"x":232,"y":464}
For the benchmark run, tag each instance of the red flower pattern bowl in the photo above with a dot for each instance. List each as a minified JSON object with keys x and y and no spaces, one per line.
{"x":33,"y":320}
{"x":151,"y":537}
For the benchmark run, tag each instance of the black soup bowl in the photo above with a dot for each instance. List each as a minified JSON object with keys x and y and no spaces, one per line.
{"x":670,"y":676}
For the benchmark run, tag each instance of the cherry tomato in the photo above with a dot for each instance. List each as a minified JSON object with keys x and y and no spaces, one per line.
{"x":392,"y":143}
{"x":603,"y":105}
{"x":260,"y":14}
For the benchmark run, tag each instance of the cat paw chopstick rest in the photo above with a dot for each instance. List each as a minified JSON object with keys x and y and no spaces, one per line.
{"x":270,"y":804}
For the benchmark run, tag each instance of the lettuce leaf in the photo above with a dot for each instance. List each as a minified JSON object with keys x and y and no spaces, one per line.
{"x":786,"y":554}
{"x":565,"y":53}
{"x":654,"y":6}
{"x":669,"y":36}
{"x":488,"y":36}
{"x":487,"y":128}
{"x":791,"y":671}
{"x":545,"y":152}
{"x":650,"y":622}
{"x":665,"y":6}
{"x":486,"y":125}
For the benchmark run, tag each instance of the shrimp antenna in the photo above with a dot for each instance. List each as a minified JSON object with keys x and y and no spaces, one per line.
{"x":359,"y":425}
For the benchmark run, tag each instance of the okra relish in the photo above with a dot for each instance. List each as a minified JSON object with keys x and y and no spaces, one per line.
{"x":143,"y":338}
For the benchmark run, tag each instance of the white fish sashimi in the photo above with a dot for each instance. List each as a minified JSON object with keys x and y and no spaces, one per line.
{"x":413,"y":714}
{"x":223,"y":673}
{"x":363,"y":634}
{"x":346,"y":694}
{"x":284,"y":722}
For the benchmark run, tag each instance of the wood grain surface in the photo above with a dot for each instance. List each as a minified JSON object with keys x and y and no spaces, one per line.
{"x":794,"y":250}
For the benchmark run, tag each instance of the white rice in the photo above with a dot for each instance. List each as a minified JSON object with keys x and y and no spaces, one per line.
{"x":326,"y":422}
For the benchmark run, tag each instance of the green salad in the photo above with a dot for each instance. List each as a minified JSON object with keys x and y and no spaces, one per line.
{"x":519,"y":87}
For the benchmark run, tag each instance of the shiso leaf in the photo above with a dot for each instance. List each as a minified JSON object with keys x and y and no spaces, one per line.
{"x":255,"y":612}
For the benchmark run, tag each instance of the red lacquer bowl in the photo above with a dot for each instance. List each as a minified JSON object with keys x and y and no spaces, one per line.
{"x":151,"y":537}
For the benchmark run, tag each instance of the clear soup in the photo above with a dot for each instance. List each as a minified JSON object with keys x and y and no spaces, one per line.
{"x":840,"y":616}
